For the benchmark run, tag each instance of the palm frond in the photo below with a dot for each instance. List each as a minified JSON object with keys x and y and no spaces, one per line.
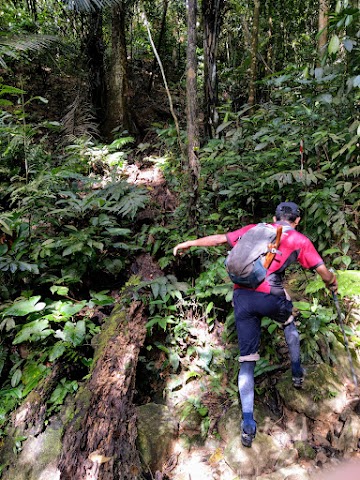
{"x":90,"y":5}
{"x":14,"y":45}
{"x":79,"y":120}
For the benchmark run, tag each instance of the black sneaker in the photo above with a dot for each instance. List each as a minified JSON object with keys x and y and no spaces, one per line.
{"x":246,"y":438}
{"x":298,"y":382}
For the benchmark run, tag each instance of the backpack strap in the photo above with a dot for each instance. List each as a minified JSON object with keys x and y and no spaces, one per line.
{"x":273,"y":248}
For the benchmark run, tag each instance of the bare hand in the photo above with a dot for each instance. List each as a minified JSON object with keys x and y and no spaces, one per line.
{"x":181,"y":246}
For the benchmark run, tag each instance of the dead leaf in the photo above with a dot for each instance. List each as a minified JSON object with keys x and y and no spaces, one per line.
{"x":216,"y":456}
{"x":97,"y":457}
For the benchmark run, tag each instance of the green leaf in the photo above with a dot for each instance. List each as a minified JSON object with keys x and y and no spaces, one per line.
{"x":261,"y":146}
{"x":64,"y":387}
{"x":24,"y":307}
{"x":59,"y":290}
{"x":209,"y":308}
{"x":118,"y":231}
{"x":272,"y":327}
{"x":174,"y":360}
{"x":57,"y":351}
{"x":8,"y":323}
{"x":325,"y":98}
{"x":334,"y":44}
{"x":101,"y":298}
{"x":75,"y":333}
{"x":32,"y":372}
{"x":68,"y":309}
{"x":302,"y":305}
{"x":16,"y":377}
{"x":222,"y":127}
{"x":75,"y":247}
{"x":33,"y":332}
{"x":203,"y":411}
{"x":155,"y":287}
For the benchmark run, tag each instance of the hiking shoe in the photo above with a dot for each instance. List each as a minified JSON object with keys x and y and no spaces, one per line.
{"x":298,"y":382}
{"x":246,"y":438}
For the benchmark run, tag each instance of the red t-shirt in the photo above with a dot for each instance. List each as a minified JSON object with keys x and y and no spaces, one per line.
{"x":294,"y":247}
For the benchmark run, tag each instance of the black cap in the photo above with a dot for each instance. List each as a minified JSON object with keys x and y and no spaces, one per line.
{"x":287,"y":207}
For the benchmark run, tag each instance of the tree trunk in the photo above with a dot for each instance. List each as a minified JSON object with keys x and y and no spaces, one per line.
{"x":159,"y":43}
{"x":254,"y":51}
{"x":322,"y":27}
{"x":95,"y":55}
{"x":192,"y":114}
{"x":118,"y":114}
{"x":211,"y":10}
{"x":99,"y":442}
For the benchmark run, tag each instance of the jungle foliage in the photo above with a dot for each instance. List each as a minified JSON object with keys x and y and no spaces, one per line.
{"x":69,"y":221}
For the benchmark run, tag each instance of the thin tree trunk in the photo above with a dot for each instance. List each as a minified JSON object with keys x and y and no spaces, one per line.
{"x":160,"y":40}
{"x":322,"y":26}
{"x":254,"y":51}
{"x":269,"y":50}
{"x":211,"y":10}
{"x":192,"y":114}
{"x":31,"y":4}
{"x":118,"y":113}
{"x":99,"y":442}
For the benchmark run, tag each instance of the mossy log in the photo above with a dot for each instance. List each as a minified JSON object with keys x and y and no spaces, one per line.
{"x":99,"y":441}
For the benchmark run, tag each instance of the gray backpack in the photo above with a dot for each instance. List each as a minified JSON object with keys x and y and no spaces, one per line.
{"x":249,"y":260}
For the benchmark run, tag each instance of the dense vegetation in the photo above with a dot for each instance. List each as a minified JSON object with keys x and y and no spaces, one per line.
{"x":71,"y":224}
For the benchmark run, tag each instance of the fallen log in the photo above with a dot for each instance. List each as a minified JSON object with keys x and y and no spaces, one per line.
{"x":99,"y":440}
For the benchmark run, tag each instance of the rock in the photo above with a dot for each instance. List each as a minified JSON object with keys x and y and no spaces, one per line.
{"x":324,"y":428}
{"x":38,"y":459}
{"x":342,"y":364}
{"x":229,"y":423}
{"x":297,"y":426}
{"x":157,"y":430}
{"x":338,"y":427}
{"x":349,"y":436}
{"x":295,"y":472}
{"x":321,"y":441}
{"x":321,"y":458}
{"x":264,"y":455}
{"x":322,"y":395}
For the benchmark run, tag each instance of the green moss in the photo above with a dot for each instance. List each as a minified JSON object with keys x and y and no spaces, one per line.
{"x":305,"y":450}
{"x":118,"y":316}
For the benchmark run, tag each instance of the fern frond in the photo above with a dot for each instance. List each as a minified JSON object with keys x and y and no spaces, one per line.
{"x":130,"y":203}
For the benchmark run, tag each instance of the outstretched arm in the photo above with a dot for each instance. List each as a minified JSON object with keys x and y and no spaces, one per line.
{"x":210,"y":241}
{"x":328,"y":278}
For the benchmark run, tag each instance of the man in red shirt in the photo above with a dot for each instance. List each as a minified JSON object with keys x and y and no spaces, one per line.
{"x":269,"y":299}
